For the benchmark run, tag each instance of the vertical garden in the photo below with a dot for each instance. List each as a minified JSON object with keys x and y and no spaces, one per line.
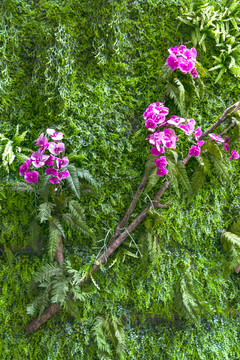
{"x":114,"y":248}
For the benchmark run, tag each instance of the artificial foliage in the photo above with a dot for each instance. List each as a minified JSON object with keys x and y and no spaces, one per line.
{"x":89,"y":69}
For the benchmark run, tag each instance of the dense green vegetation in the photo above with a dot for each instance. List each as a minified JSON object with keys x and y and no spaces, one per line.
{"x":89,"y":69}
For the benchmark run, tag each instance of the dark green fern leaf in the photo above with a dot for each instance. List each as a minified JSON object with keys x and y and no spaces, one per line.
{"x":73,"y":180}
{"x":231,"y":244}
{"x":187,"y":302}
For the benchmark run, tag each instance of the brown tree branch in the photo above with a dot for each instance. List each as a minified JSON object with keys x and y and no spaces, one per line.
{"x":59,"y":252}
{"x":53,"y":308}
{"x":130,"y":209}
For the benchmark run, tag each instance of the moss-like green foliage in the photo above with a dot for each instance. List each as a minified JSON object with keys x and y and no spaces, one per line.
{"x":90,"y":69}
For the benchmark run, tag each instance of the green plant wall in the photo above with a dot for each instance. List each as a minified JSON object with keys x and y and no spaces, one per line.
{"x":89,"y":69}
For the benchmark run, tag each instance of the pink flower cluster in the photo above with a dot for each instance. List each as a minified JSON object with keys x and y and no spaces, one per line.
{"x":183,"y":59}
{"x":38,"y":159}
{"x":224,"y":142}
{"x":196,"y":149}
{"x":155,"y":116}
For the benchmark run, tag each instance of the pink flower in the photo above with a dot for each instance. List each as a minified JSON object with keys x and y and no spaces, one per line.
{"x":38,"y":159}
{"x":198,"y":133}
{"x":188,"y":128}
{"x":54,"y":180}
{"x":56,"y":136}
{"x":51,"y":171}
{"x":194,"y":73}
{"x":150,"y":124}
{"x":200,"y":143}
{"x":175,"y":120}
{"x":156,"y":152}
{"x":31,"y":177}
{"x":226,"y":147}
{"x":186,"y":65}
{"x":50,"y":161}
{"x":62,"y":162}
{"x":194,"y":151}
{"x":162,"y":171}
{"x":193,"y":53}
{"x":169,"y":138}
{"x":161,"y":162}
{"x":25,"y":167}
{"x":55,"y":149}
{"x":155,"y":139}
{"x":174,"y":50}
{"x":42,"y":141}
{"x":182,"y":48}
{"x":217,"y":138}
{"x":234,"y":155}
{"x":172,"y":62}
{"x":63,"y":175}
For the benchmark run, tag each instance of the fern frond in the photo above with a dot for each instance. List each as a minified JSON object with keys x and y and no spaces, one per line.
{"x":45,"y":211}
{"x":85,"y":175}
{"x":197,"y":181}
{"x":44,"y":187}
{"x":46,"y":273}
{"x":235,"y":228}
{"x":53,"y":241}
{"x":22,"y":187}
{"x":152,"y":180}
{"x":187,"y":302}
{"x":217,"y":159}
{"x":178,"y":175}
{"x":77,"y":224}
{"x":73,"y":180}
{"x":59,"y":291}
{"x":109,"y":331}
{"x":231,"y":244}
{"x":56,"y":223}
{"x":34,"y":231}
{"x":173,"y":176}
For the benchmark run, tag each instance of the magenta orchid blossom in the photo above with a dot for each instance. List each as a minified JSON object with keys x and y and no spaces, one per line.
{"x":225,"y":145}
{"x":194,"y":151}
{"x":56,"y":136}
{"x":31,"y":177}
{"x":54,"y":180}
{"x":25,"y":167}
{"x":56,"y":149}
{"x":188,"y":128}
{"x":62,"y":162}
{"x":51,"y":171}
{"x":217,"y":138}
{"x":183,"y":59}
{"x":162,"y":171}
{"x":198,"y":133}
{"x":38,"y":159}
{"x":63,"y":175}
{"x":155,"y":116}
{"x":42,"y":141}
{"x":234,"y":155}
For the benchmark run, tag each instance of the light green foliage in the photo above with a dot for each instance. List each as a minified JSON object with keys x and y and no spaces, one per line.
{"x":220,"y":21}
{"x":10,"y":149}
